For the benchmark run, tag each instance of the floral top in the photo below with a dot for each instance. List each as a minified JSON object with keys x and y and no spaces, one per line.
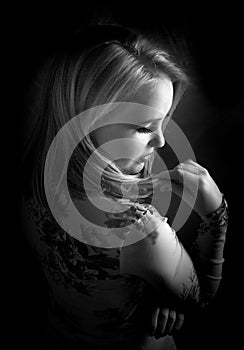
{"x":83,"y":280}
{"x":92,"y":300}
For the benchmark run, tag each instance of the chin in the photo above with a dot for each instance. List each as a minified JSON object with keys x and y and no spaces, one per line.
{"x":130,"y":169}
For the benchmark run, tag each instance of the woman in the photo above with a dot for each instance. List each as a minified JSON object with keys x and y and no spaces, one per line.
{"x":108,"y":94}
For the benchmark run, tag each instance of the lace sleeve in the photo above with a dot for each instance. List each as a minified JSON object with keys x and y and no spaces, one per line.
{"x":161,"y":259}
{"x":207,"y":250}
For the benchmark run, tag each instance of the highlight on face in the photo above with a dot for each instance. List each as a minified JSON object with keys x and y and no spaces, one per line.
{"x":137,"y":141}
{"x":114,"y":65}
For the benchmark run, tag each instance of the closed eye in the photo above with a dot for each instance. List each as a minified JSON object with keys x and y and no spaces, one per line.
{"x":144,"y":130}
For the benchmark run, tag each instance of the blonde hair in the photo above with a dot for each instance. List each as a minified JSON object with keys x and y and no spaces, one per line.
{"x":104,"y":64}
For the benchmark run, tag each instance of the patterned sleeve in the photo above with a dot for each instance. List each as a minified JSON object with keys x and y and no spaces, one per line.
{"x":208,"y":248}
{"x":161,"y":259}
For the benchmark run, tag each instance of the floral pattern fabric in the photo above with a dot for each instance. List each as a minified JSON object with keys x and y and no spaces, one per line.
{"x":99,"y":297}
{"x":89,"y":298}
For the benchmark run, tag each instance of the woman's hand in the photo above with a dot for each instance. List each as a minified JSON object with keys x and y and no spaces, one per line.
{"x":200,"y":190}
{"x":165,"y":321}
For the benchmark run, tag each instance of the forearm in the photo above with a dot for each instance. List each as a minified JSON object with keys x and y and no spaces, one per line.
{"x":161,"y":259}
{"x":208,"y":248}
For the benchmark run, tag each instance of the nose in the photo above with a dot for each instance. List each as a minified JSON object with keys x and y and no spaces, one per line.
{"x":157,"y":140}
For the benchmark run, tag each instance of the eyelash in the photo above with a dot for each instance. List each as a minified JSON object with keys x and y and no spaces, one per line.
{"x":144,"y":130}
{"x":148,"y":131}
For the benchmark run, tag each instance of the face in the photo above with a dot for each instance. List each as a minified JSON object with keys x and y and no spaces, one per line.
{"x":134,"y":142}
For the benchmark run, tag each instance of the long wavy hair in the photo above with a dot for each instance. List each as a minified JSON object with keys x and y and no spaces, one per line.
{"x":99,"y":65}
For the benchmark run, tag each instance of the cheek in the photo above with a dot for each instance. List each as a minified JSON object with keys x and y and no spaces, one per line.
{"x":116,"y":144}
{"x":122,"y":148}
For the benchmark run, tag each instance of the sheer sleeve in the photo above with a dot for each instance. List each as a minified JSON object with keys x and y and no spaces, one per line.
{"x":161,"y":259}
{"x":208,"y":249}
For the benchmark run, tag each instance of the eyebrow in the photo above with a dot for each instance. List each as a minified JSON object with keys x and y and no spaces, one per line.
{"x":153,"y":120}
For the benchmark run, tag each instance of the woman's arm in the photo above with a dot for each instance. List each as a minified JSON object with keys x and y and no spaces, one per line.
{"x":207,"y":249}
{"x":161,"y":259}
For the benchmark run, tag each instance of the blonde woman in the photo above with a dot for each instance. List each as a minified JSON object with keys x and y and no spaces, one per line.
{"x":129,"y":290}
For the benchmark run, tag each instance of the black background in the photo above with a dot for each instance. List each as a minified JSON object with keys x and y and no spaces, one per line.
{"x":211,"y":115}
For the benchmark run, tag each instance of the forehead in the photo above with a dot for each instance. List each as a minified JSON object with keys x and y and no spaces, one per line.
{"x":158,"y":97}
{"x":151,"y":103}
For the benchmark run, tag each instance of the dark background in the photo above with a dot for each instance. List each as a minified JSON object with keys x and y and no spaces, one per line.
{"x":211,"y":115}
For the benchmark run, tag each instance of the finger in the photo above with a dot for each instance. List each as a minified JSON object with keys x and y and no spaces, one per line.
{"x":189,"y":166}
{"x":166,"y":177}
{"x":190,"y":161}
{"x":179,"y":321}
{"x":154,"y":320}
{"x":168,"y":185}
{"x":185,"y":175}
{"x":200,"y":167}
{"x":175,"y":174}
{"x":170,"y":323}
{"x":162,"y":321}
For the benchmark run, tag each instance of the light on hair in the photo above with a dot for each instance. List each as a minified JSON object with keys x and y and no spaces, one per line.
{"x":85,"y":77}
